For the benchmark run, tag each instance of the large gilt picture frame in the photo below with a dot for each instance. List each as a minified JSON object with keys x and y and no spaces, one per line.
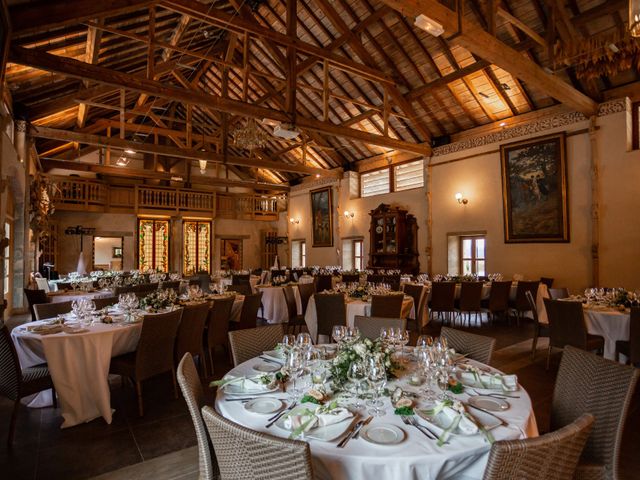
{"x":321,"y":217}
{"x":535,"y":191}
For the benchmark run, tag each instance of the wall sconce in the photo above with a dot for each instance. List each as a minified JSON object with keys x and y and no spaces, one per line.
{"x":349,"y":215}
{"x":461,"y":200}
{"x":293,"y":221}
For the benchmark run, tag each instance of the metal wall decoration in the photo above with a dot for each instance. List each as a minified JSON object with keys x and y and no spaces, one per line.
{"x":534,"y":190}
{"x":322,"y":217}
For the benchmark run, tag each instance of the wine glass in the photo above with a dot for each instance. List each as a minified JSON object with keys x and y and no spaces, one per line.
{"x":288,"y":342}
{"x":337,"y":333}
{"x":294,"y":364}
{"x":377,"y":379}
{"x":303,"y":341}
{"x":424,"y":341}
{"x":356,"y":375}
{"x":427,"y":363}
{"x":403,"y":339}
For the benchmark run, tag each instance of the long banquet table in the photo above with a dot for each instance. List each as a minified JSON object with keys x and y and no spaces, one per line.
{"x":414,"y":458}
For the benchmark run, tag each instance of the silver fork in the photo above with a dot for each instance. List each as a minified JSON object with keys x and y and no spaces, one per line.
{"x":406,"y":421}
{"x":415,"y":423}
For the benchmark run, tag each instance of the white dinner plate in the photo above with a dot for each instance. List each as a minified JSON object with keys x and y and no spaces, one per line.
{"x":266,"y":367}
{"x":263,"y":405}
{"x":236,"y":389}
{"x":440,"y":422}
{"x":324,"y":434}
{"x":489,"y":403}
{"x":383,"y":434}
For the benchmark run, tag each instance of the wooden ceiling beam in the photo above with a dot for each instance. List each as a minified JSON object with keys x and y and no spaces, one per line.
{"x":94,"y":36}
{"x":605,"y":8}
{"x":523,"y":27}
{"x":477,"y":41}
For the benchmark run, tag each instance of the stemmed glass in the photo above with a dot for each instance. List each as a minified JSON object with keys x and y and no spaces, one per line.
{"x":424,"y":341}
{"x":288,"y":342}
{"x":303,"y":341}
{"x":294,"y":365}
{"x":356,"y":374}
{"x":403,"y":339}
{"x":337,"y":333}
{"x":351,"y":334}
{"x":427,"y":363}
{"x":377,"y":378}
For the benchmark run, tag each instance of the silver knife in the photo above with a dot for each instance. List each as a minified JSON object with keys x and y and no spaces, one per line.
{"x":351,"y":433}
{"x":502,"y":421}
{"x":277,"y":417}
{"x":364,"y":424}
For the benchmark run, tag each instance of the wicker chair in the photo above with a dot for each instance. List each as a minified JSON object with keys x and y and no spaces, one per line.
{"x":249,"y":312}
{"x":51,"y":310}
{"x":558,"y":293}
{"x":388,"y":306}
{"x":588,"y":383}
{"x":246,"y":454}
{"x":191,"y":332}
{"x":476,"y":347}
{"x":218,"y":327}
{"x":296,"y":322}
{"x":420,"y":296}
{"x":498,"y":301}
{"x":546,"y":281}
{"x":393,"y":281}
{"x":306,"y":291}
{"x":370,"y":326}
{"x":251,"y":342}
{"x":470,"y":301}
{"x":631,"y":348}
{"x":553,"y":456}
{"x":567,"y":327}
{"x":443,"y":296}
{"x":154,"y":354}
{"x":16,"y":383}
{"x":323,"y":282}
{"x":330,"y":310}
{"x":520,"y":305}
{"x":539,"y":329}
{"x":101,"y":303}
{"x":35,"y":297}
{"x":194,"y":396}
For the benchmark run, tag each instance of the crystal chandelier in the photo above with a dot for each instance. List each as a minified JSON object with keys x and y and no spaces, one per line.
{"x":250,"y":136}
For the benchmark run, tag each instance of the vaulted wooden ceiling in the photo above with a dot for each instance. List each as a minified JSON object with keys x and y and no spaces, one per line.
{"x":174,"y":78}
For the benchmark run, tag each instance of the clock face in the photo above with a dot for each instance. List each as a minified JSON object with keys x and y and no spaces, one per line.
{"x":378,"y":229}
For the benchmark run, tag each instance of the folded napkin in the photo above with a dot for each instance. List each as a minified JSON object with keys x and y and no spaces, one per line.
{"x":308,"y":419}
{"x":490,"y":380}
{"x":465,"y":425}
{"x":254,"y":384}
{"x":45,"y":329}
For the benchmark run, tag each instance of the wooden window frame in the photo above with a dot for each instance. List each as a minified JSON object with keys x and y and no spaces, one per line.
{"x":353,"y":254}
{"x":392,"y":178}
{"x":474,"y":260}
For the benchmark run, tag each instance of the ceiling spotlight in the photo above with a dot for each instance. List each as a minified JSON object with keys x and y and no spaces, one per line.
{"x":429,"y":25}
{"x":122,"y":161}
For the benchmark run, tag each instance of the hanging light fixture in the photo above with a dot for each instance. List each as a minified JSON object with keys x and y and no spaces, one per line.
{"x":250,"y":136}
{"x":203,"y":166}
{"x":634,"y":18}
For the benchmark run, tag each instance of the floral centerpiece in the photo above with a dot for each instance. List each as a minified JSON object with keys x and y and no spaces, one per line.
{"x":361,"y":351}
{"x":159,"y":300}
{"x":621,"y":298}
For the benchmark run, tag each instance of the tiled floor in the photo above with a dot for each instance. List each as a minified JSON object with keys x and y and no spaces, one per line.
{"x":160,"y":445}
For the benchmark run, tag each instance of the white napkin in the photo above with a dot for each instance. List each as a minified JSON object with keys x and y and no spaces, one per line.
{"x":249,"y":385}
{"x":336,"y":415}
{"x":466,"y":426}
{"x":495,"y":380}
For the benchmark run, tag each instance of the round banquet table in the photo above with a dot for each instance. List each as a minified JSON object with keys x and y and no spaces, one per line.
{"x":417,"y":457}
{"x":354,"y":307}
{"x":254,"y":280}
{"x":274,"y":304}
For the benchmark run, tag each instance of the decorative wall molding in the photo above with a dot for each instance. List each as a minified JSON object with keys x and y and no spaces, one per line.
{"x":547,"y":123}
{"x":315,"y":183}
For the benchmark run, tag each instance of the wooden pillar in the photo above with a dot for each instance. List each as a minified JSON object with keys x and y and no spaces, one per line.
{"x":429,"y":248}
{"x":595,"y":203}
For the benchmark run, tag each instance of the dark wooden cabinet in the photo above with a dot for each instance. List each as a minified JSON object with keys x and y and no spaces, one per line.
{"x":394,"y":240}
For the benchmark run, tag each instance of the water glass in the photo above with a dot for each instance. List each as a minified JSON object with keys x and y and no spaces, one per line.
{"x":377,"y":379}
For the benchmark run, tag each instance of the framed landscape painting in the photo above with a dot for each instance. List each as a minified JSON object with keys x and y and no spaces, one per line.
{"x":534,"y":190}
{"x":321,"y":218}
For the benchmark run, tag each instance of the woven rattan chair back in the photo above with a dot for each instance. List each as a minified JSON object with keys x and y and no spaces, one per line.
{"x":323,"y":282}
{"x":51,"y":310}
{"x":219,"y":317}
{"x":443,"y":296}
{"x":370,"y":326}
{"x":290,"y":299}
{"x":306,"y":291}
{"x":499,"y":296}
{"x":389,"y":306}
{"x":475,"y":347}
{"x":249,"y":312}
{"x":246,"y":454}
{"x":558,"y":293}
{"x":634,"y":336}
{"x":104,"y":302}
{"x":191,"y":331}
{"x":154,"y":354}
{"x":35,"y":297}
{"x":10,"y":373}
{"x":240,"y":279}
{"x":242,"y":289}
{"x":589,"y":383}
{"x":470,"y":296}
{"x":251,"y":342}
{"x":566,"y":324}
{"x":521,"y":303}
{"x":350,"y":278}
{"x":173,"y":285}
{"x":419,"y":294}
{"x":548,"y":281}
{"x":553,"y":456}
{"x":331,"y":310}
{"x":194,"y":396}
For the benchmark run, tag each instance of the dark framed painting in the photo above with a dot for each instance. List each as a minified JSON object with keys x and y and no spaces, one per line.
{"x":321,"y":217}
{"x":535,"y":191}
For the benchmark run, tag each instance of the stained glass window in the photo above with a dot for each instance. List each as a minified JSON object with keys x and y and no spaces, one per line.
{"x":153,"y":244}
{"x":197,"y":247}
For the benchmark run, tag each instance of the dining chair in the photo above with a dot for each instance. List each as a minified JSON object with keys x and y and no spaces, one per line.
{"x":191,"y":332}
{"x":43,"y":284}
{"x":172,"y":285}
{"x":567,"y":327}
{"x":374,"y":278}
{"x":520,"y":305}
{"x":306,"y":291}
{"x":350,"y":278}
{"x":193,"y":394}
{"x":587,"y":383}
{"x":34,"y":297}
{"x":251,"y":342}
{"x":51,"y":310}
{"x":539,"y":329}
{"x":217,"y":328}
{"x":558,"y":293}
{"x":470,"y":301}
{"x":393,"y":281}
{"x":249,"y":312}
{"x":242,"y":289}
{"x":296,"y":273}
{"x":246,"y":454}
{"x":240,"y":279}
{"x":278,"y":273}
{"x":553,"y":456}
{"x":474,"y":346}
{"x":62,"y":286}
{"x":323,"y":282}
{"x":103,"y":302}
{"x":154,"y":354}
{"x":546,"y":281}
{"x":330,"y":310}
{"x":443,"y":296}
{"x":389,"y":306}
{"x":370,"y":326}
{"x":420,"y":296}
{"x":498,"y":301}
{"x":631,"y":348}
{"x":296,"y":322}
{"x":17,"y":383}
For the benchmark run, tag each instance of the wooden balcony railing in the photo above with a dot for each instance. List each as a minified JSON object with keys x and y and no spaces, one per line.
{"x":94,"y":195}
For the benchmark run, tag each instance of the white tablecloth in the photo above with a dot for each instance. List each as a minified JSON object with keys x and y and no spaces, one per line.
{"x":415,"y":458}
{"x":55,"y":297}
{"x":254,"y":280}
{"x":79,"y":365}
{"x":236,"y":309}
{"x":353,"y":307}
{"x":275,"y":305}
